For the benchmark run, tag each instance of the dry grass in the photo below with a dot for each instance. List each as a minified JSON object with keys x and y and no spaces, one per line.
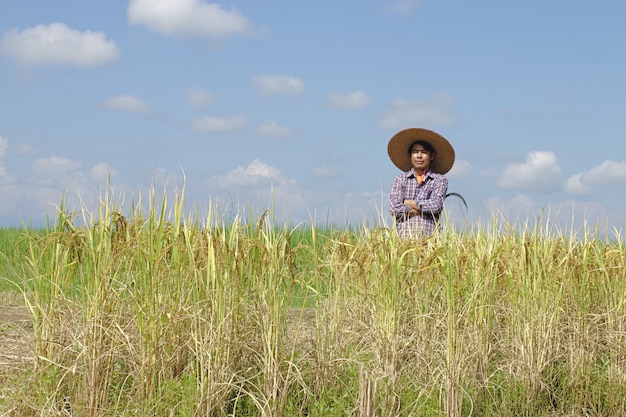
{"x":147,"y":316}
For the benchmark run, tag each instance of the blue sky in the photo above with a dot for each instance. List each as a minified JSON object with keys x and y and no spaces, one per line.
{"x":251,"y":102}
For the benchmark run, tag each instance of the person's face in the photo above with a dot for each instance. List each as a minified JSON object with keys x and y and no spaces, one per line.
{"x":421,"y":157}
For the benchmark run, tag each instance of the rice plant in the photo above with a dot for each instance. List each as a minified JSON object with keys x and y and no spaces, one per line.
{"x":158,"y":312}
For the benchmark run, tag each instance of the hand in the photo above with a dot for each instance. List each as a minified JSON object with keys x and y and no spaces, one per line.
{"x":412,"y":204}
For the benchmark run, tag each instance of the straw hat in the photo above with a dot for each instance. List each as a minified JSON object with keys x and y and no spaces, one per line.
{"x":398,"y":149}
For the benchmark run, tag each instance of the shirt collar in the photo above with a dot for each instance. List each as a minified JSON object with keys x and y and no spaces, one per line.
{"x":410,"y":173}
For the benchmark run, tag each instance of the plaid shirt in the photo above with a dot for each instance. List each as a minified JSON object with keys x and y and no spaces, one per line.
{"x":429,"y":195}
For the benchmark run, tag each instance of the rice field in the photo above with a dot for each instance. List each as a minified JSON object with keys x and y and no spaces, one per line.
{"x":152,"y":313}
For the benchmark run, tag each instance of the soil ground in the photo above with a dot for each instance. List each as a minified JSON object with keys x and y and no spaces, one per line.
{"x":16,"y":339}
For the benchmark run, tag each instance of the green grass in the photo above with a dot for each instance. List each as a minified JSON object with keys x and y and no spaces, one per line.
{"x":14,"y":245}
{"x":155,"y":314}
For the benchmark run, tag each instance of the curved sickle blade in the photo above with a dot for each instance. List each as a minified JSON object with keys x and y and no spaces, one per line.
{"x":457,"y":195}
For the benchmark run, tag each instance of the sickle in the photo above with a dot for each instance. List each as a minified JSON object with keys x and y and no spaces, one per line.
{"x":457,"y":195}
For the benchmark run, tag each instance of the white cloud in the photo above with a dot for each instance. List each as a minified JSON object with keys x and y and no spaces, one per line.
{"x":261,"y":186}
{"x":255,"y":175}
{"x":563,"y":216}
{"x":188,"y":17}
{"x":437,"y":110}
{"x":520,"y":203}
{"x":274,"y":130}
{"x":575,"y":185}
{"x":54,"y":165}
{"x":4,"y":144}
{"x":197,"y":98}
{"x":102,"y":172}
{"x":219,"y":124}
{"x":460,"y":169}
{"x":168,"y":179}
{"x":257,"y":169}
{"x":348,"y":101}
{"x":57,"y":44}
{"x":278,"y":85}
{"x":127,"y":103}
{"x":609,"y":173}
{"x":540,"y":171}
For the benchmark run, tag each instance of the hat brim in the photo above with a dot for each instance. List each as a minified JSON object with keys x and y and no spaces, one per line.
{"x":398,"y":149}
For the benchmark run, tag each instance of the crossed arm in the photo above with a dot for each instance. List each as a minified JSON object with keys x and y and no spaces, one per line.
{"x":403,"y":202}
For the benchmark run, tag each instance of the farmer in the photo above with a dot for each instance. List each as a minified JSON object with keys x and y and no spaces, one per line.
{"x":418,"y":193}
